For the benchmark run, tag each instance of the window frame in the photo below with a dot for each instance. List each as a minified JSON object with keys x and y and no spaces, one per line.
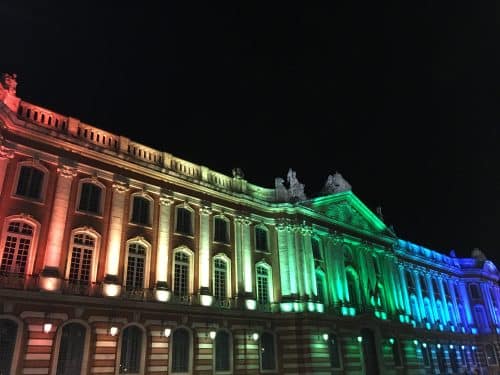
{"x":230,"y":353}
{"x":225,"y":258}
{"x":86,"y":346}
{"x":190,"y":279}
{"x":263,"y":229}
{"x":147,"y":260}
{"x":142,"y":365}
{"x":16,"y":354}
{"x":220,"y":218}
{"x":101,"y":186}
{"x":171,"y":351}
{"x":186,"y":207}
{"x":338,"y":345}
{"x":275,"y":349}
{"x":269,"y":282}
{"x":150,"y":213}
{"x":95,"y":255}
{"x":43,"y":189}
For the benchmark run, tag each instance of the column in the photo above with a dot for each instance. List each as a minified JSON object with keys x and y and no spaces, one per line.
{"x":5,"y":155}
{"x":238,"y":255}
{"x":244,"y":261}
{"x":204,"y":256}
{"x":50,"y":278}
{"x":283,"y":260}
{"x":111,"y":283}
{"x":297,"y":240}
{"x":292,"y":261}
{"x":309,"y":270}
{"x":163,"y":249}
{"x":405,"y":291}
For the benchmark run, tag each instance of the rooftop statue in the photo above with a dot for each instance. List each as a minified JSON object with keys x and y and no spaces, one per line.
{"x":335,"y":184}
{"x":9,"y":82}
{"x":296,"y":189}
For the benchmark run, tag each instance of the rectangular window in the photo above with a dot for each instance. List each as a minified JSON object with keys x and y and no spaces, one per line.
{"x":90,"y":198}
{"x":181,"y":274}
{"x":220,"y":230}
{"x":183,"y":224}
{"x":262,"y":285}
{"x":261,"y":239}
{"x":30,"y":182}
{"x":140,"y":211}
{"x":315,"y":249}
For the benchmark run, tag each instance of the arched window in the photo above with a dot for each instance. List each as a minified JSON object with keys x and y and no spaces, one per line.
{"x":131,"y":348}
{"x":223,"y":352}
{"x":221,"y":229}
{"x":184,"y":220}
{"x":396,"y":353}
{"x":426,"y":355}
{"x":182,"y":268}
{"x":316,"y":249}
{"x":441,"y":360}
{"x":82,"y":267}
{"x":141,"y":210}
{"x":90,"y":196}
{"x":137,"y":267}
{"x":334,"y":351}
{"x":30,"y":181}
{"x":261,"y":240}
{"x":264,"y":284}
{"x":353,"y":286}
{"x":71,"y":349}
{"x":491,"y":356}
{"x":17,"y":241}
{"x":181,"y":351}
{"x":221,"y":278}
{"x":8,"y":337}
{"x":267,"y":352}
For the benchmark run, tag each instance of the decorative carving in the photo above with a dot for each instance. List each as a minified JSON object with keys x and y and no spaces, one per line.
{"x":335,"y":184}
{"x":345,"y":213}
{"x":120,"y":187}
{"x":296,"y":189}
{"x":205,"y":208}
{"x":6,"y":153}
{"x":238,"y":173}
{"x":166,"y":200}
{"x":280,"y":189}
{"x":66,"y":171}
{"x":9,"y":82}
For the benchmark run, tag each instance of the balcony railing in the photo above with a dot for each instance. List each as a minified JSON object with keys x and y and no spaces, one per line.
{"x":14,"y":280}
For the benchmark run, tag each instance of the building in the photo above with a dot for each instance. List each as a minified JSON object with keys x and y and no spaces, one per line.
{"x":119,"y":258}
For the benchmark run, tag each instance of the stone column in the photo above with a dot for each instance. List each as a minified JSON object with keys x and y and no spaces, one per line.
{"x":299,"y":259}
{"x":111,"y":283}
{"x":244,"y":262}
{"x":308,"y":261}
{"x":404,"y":289}
{"x":283,"y":260}
{"x":204,"y":256}
{"x":162,"y":290}
{"x":5,"y":155}
{"x":50,"y":278}
{"x":292,"y":261}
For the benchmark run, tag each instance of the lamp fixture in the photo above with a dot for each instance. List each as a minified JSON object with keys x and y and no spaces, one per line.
{"x":166,"y":332}
{"x":47,"y":327}
{"x":113,"y":331}
{"x":255,"y":336}
{"x":325,"y":336}
{"x":212,"y":334}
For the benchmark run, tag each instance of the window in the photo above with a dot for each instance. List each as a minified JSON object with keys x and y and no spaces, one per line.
{"x":426,"y":355}
{"x":453,"y":361}
{"x":491,"y":357}
{"x":69,"y":361}
{"x":8,"y":336}
{"x":184,"y":221}
{"x":220,"y":279}
{"x":474,"y":291}
{"x":181,"y":274}
{"x":267,"y":352}
{"x":135,"y":266}
{"x":263,"y":285}
{"x":376,"y":268}
{"x":409,"y":281}
{"x":435,"y":286}
{"x":261,"y":239}
{"x":130,"y":358}
{"x":423,"y":286}
{"x":334,"y":351}
{"x":180,"y":351}
{"x":352,"y":286}
{"x":141,"y":211}
{"x":82,"y":253}
{"x":316,"y":249}
{"x":320,"y":286}
{"x":221,"y":230}
{"x":480,"y":318}
{"x":30,"y":182}
{"x":441,"y":360}
{"x":396,"y":353}
{"x":222,"y":351}
{"x":90,"y":198}
{"x":16,"y":248}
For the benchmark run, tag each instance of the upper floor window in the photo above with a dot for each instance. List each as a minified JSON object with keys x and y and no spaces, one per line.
{"x":90,"y":198}
{"x":8,"y":337}
{"x":491,"y":356}
{"x":181,"y":351}
{"x":474,"y":291}
{"x":263,"y":284}
{"x":409,"y":280}
{"x":30,"y":182}
{"x":184,"y":221}
{"x":396,"y":353}
{"x":261,"y":241}
{"x":267,"y":352}
{"x":141,"y":210}
{"x":316,"y":249}
{"x":16,"y":249}
{"x":376,"y":267}
{"x":130,"y":358}
{"x":181,"y":273}
{"x":223,"y":353}
{"x":221,"y":232}
{"x":82,"y":255}
{"x":334,"y":351}
{"x":423,"y":286}
{"x":136,"y":266}
{"x":220,"y":278}
{"x":320,"y":285}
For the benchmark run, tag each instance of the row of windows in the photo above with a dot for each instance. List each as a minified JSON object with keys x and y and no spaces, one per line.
{"x":71,"y":352}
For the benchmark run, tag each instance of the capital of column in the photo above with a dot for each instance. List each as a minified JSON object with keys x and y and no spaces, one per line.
{"x":243,"y":219}
{"x":6,"y":153}
{"x":205,"y":209}
{"x":120,"y":187}
{"x":305,"y":229}
{"x":66,"y":171}
{"x":166,"y":200}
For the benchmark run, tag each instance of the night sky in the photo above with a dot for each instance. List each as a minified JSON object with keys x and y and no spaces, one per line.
{"x":401,"y":99}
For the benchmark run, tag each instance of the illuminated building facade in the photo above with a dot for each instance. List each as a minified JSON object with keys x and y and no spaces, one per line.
{"x":120,"y":258}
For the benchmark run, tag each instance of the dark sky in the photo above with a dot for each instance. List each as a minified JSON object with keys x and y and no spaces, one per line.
{"x":402,"y":99}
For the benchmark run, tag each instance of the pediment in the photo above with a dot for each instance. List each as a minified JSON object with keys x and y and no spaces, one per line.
{"x":345,"y":208}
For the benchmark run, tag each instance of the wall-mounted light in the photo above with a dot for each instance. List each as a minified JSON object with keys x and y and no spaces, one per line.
{"x":325,"y":336}
{"x":424,"y":345}
{"x":463,"y":347}
{"x":415,"y":342}
{"x":212,"y":334}
{"x":360,"y":338}
{"x":255,"y":336}
{"x":451,"y":346}
{"x":166,"y":332}
{"x":47,"y":327}
{"x":438,"y":346}
{"x":113,"y":330}
{"x":391,"y":341}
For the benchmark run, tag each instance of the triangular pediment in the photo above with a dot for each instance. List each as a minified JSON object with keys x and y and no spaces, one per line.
{"x":346,"y":209}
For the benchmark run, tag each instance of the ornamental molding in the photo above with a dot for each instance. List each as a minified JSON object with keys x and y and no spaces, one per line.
{"x":120,"y":187}
{"x":66,"y":171}
{"x":166,"y":200}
